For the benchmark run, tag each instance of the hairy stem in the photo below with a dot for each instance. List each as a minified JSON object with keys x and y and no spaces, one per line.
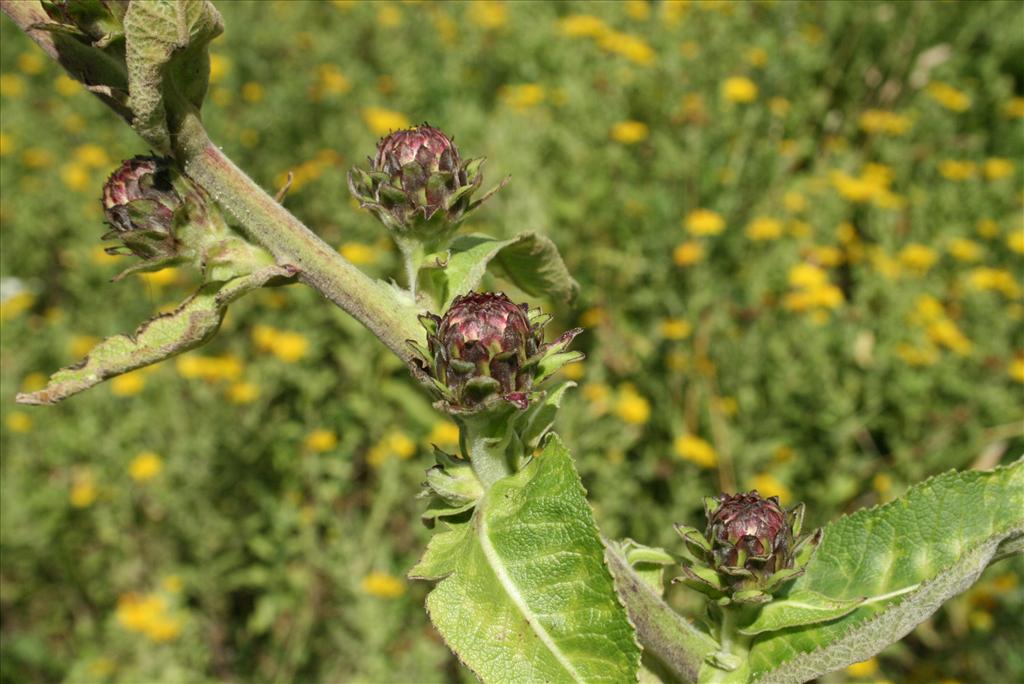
{"x":668,"y":636}
{"x":384,"y":310}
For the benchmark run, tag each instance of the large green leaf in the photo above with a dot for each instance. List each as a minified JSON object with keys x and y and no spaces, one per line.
{"x":189,"y":326}
{"x":905,"y":559}
{"x":168,"y":64}
{"x":530,"y":261}
{"x":524,"y":595}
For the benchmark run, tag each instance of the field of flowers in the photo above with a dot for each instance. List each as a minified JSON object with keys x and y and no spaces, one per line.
{"x":798,"y":232}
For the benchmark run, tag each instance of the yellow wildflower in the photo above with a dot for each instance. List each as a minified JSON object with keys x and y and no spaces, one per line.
{"x":12,"y":85}
{"x":638,"y":9}
{"x":675,"y":329}
{"x":127,"y":385}
{"x":631,"y":47}
{"x":701,"y":222}
{"x":358,"y":253}
{"x":957,"y":169}
{"x":330,"y":81}
{"x":6,"y":144}
{"x":382,"y":585}
{"x":807,"y":276}
{"x":522,"y":96}
{"x":31,"y":63}
{"x":75,"y":176}
{"x":996,"y":279}
{"x":83,"y":488}
{"x":945,"y":333}
{"x":996,"y":168}
{"x":1016,"y":368}
{"x":596,"y":393}
{"x":252,"y":92}
{"x":917,"y":356}
{"x":963,"y":249}
{"x":388,"y":15}
{"x":739,"y":89}
{"x":321,"y":440}
{"x":488,"y":14}
{"x":949,"y":97}
{"x":80,"y":345}
{"x":33,"y":382}
{"x":16,"y":304}
{"x":864,"y":669}
{"x":219,"y":67}
{"x":161,"y":278}
{"x":149,"y":614}
{"x":145,"y":466}
{"x":1015,"y":240}
{"x":444,"y":433}
{"x":383,"y":121}
{"x":688,"y":253}
{"x":768,"y":485}
{"x":825,"y":255}
{"x":209,"y":368}
{"x":917,"y":257}
{"x":881,"y":121}
{"x":764,"y":228}
{"x":1014,"y":107}
{"x":18,"y":421}
{"x":694,"y":449}
{"x":629,"y":132}
{"x":67,"y":86}
{"x":987,"y":228}
{"x":582,"y":25}
{"x":882,"y":483}
{"x":243,"y":392}
{"x":92,"y":156}
{"x":631,"y":406}
{"x":394,"y":443}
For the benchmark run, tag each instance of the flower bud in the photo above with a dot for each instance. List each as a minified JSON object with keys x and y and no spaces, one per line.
{"x":140,"y":203}
{"x":487,"y":350}
{"x":749,"y":548}
{"x":418,"y":186}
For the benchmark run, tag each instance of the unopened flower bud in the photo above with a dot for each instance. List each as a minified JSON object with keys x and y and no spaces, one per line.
{"x":140,"y":203}
{"x":751,"y":546}
{"x":418,"y":186}
{"x":486,"y":349}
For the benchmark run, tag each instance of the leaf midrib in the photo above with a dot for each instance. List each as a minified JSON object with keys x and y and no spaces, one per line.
{"x":497,"y":566}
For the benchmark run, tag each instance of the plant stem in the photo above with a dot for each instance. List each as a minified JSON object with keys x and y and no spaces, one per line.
{"x":386,"y":311}
{"x":665,"y":634}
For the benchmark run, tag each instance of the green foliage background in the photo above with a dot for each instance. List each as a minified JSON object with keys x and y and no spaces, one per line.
{"x":263,"y":550}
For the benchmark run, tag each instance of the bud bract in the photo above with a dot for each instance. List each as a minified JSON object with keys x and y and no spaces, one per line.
{"x":418,"y":185}
{"x":486,"y":350}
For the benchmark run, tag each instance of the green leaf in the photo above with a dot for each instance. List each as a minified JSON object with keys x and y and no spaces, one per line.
{"x":908,"y":557}
{"x":190,"y":325}
{"x":529,"y":260}
{"x":535,"y":266}
{"x":797,"y":609}
{"x":524,"y":594}
{"x":168,"y":63}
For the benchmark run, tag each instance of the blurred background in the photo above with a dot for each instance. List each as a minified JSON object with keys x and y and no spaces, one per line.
{"x":797,"y":227}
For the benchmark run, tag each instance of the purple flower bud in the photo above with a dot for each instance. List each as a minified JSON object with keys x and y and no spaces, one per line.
{"x":749,"y":531}
{"x":140,"y":203}
{"x":418,"y":185}
{"x":485,"y":348}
